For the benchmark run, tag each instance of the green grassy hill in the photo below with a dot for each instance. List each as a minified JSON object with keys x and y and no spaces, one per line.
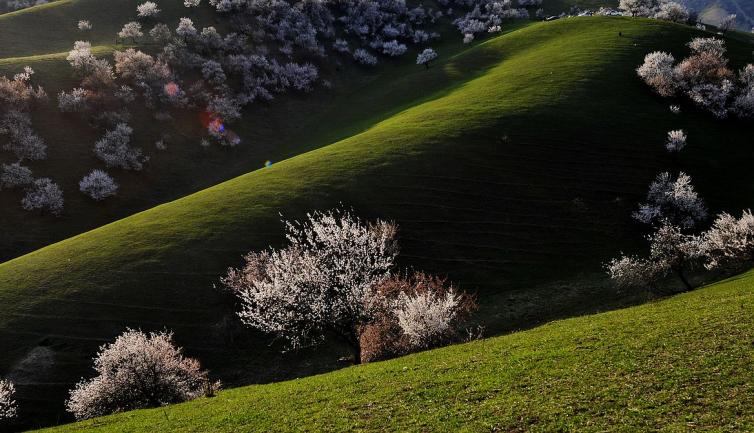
{"x":511,"y":166}
{"x":288,"y":126}
{"x":679,"y":365}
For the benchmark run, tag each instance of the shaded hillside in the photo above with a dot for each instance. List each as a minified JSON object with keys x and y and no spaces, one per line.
{"x":683,"y":364}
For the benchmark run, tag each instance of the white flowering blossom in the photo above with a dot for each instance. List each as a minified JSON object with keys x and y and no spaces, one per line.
{"x":713,"y":97}
{"x":675,"y":109}
{"x":363,"y":57}
{"x":115,"y":150}
{"x":426,"y":57}
{"x":671,"y":252}
{"x":672,"y":200}
{"x":137,"y":371}
{"x":84,"y":25}
{"x":632,"y":272}
{"x":44,"y":195}
{"x":73,"y":101}
{"x":15,"y":175}
{"x":131,"y":30}
{"x":676,"y":141}
{"x":728,"y":22}
{"x":672,"y":11}
{"x":185,"y":28}
{"x":8,"y":406}
{"x":393,"y":48}
{"x":730,"y":241}
{"x":161,"y":33}
{"x":98,"y":185}
{"x":426,"y":317}
{"x":22,"y":140}
{"x":191,"y":3}
{"x":323,"y":282}
{"x":658,"y":72}
{"x":147,"y":9}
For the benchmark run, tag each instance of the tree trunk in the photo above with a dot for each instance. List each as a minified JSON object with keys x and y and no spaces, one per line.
{"x":357,"y":354}
{"x":686,"y":283}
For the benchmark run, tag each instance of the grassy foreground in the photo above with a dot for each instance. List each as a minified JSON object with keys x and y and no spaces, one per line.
{"x":513,"y":163}
{"x":682,"y":364}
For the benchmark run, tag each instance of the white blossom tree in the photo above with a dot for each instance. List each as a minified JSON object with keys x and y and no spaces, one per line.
{"x":161,"y":33}
{"x":73,"y":101}
{"x":185,"y":28}
{"x":676,"y":141}
{"x":98,"y":185}
{"x":131,"y":30}
{"x":426,"y":57}
{"x":115,"y":150}
{"x":44,"y":195}
{"x":191,"y":3}
{"x":672,"y":11}
{"x":394,"y":48}
{"x":639,"y":8}
{"x":324,"y":282}
{"x":137,"y":371}
{"x":630,"y":272}
{"x":363,"y":57}
{"x":15,"y":175}
{"x":147,"y":10}
{"x":659,"y":73}
{"x":730,"y":241}
{"x":728,"y":22}
{"x":8,"y":406}
{"x":672,"y":200}
{"x":674,"y":252}
{"x":671,"y":252}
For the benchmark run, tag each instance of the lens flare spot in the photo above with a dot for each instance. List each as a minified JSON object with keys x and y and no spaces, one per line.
{"x":216,"y":125}
{"x":172,"y":89}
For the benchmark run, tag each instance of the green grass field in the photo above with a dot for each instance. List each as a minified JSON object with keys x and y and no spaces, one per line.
{"x":511,"y":165}
{"x":679,"y":365}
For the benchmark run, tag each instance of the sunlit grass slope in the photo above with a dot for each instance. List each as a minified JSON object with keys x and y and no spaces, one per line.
{"x":680,"y":365}
{"x":517,"y":164}
{"x":289,"y":125}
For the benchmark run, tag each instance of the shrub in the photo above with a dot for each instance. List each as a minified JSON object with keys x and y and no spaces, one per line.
{"x":137,"y":371}
{"x":44,"y":195}
{"x":676,"y":141}
{"x":15,"y":175}
{"x":115,"y":150}
{"x":98,"y":185}
{"x":131,"y":30}
{"x":147,"y":10}
{"x":420,"y":311}
{"x":363,"y":57}
{"x":657,"y":71}
{"x":426,"y":57}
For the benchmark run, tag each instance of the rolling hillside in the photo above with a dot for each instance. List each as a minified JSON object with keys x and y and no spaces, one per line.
{"x":288,"y":126}
{"x":680,"y":365}
{"x":511,"y":166}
